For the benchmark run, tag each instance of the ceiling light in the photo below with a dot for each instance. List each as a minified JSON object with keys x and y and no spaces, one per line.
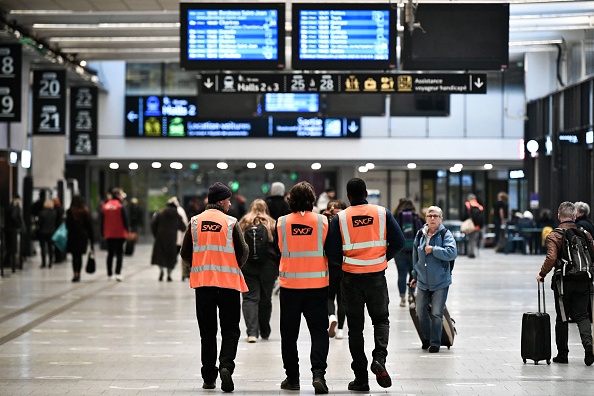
{"x":411,"y":165}
{"x":114,"y":166}
{"x":176,"y":165}
{"x":156,"y":165}
{"x":316,"y":166}
{"x":370,"y":165}
{"x":269,"y":166}
{"x":222,"y":165}
{"x":251,"y":165}
{"x":26,"y":159}
{"x":13,"y":157}
{"x":115,"y":26}
{"x":363,"y":169}
{"x":453,"y":169}
{"x":132,"y":166}
{"x":488,"y":166}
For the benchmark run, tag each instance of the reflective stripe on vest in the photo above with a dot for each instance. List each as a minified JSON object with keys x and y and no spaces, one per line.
{"x":303,"y":263}
{"x":349,"y":246}
{"x":218,"y":268}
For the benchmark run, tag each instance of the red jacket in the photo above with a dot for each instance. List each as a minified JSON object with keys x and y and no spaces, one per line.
{"x":115,"y":225}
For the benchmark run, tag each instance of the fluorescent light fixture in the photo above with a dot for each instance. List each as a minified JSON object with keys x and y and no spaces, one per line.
{"x":316,"y":166}
{"x":132,"y":166}
{"x":534,"y":42}
{"x":411,"y":165}
{"x":363,"y":169}
{"x":156,"y":165}
{"x":14,"y":157}
{"x":589,"y":137}
{"x":269,"y":166}
{"x":251,"y":165}
{"x":453,"y":169}
{"x":115,"y":26}
{"x":370,"y":165}
{"x":142,"y":39}
{"x":176,"y":165}
{"x":114,"y":166}
{"x":222,"y":165}
{"x":488,"y":166}
{"x":26,"y":159}
{"x":516,"y":174}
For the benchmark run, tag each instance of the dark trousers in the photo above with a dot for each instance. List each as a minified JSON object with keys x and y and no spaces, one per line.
{"x":335,"y":294}
{"x":257,"y":301}
{"x":359,"y":290}
{"x":115,"y":248}
{"x":208,"y":299}
{"x":313,"y":304}
{"x":76,"y":262}
{"x":47,"y":249}
{"x":576,"y":301}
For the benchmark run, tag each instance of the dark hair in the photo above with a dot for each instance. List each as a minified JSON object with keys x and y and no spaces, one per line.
{"x":79,"y":208}
{"x":301,"y":197}
{"x":356,"y":189}
{"x":405,"y":204}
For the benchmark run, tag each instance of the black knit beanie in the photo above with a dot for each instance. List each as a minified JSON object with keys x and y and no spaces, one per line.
{"x":218,"y":192}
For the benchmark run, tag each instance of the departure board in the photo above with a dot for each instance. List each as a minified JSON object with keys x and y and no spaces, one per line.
{"x":235,"y":36}
{"x":344,"y":36}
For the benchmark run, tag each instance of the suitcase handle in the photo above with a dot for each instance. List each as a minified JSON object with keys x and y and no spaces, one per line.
{"x":543,"y":297}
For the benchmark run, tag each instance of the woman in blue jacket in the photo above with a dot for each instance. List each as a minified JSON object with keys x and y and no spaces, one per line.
{"x":432,"y":252}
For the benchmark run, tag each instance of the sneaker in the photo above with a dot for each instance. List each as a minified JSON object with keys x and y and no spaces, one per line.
{"x":359,"y":385}
{"x":251,"y":339}
{"x":381,"y":374}
{"x":109,"y":277}
{"x":560,"y":359}
{"x":426,"y":345}
{"x":402,"y":301}
{"x":332,"y":328}
{"x":319,"y":384}
{"x":339,"y":334}
{"x":209,"y":385}
{"x":589,"y":356}
{"x":118,"y":277}
{"x":288,"y":384}
{"x":226,"y":380}
{"x":433,"y":349}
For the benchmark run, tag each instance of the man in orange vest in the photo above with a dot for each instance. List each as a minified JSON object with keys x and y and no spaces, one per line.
{"x":303,"y":278}
{"x":364,"y":238}
{"x":215,"y":249}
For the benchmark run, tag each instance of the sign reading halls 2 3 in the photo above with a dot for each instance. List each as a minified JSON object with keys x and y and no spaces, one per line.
{"x":10,"y":82}
{"x":49,"y":102}
{"x":83,"y":121}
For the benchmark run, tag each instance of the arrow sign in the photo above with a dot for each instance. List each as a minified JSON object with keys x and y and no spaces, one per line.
{"x":132,"y":116}
{"x":478,"y":83}
{"x":353,"y":127}
{"x":208,"y":83}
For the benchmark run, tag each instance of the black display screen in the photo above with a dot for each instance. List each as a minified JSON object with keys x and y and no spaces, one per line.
{"x":232,"y":36}
{"x":291,"y":103}
{"x":344,"y":36}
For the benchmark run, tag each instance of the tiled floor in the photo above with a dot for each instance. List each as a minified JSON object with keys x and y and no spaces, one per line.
{"x":140,"y":337}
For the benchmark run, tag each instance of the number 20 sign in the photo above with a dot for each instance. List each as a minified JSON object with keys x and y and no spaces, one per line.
{"x":49,"y":102}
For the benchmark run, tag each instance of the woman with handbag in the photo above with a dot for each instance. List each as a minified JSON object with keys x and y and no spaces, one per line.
{"x":80,"y":232}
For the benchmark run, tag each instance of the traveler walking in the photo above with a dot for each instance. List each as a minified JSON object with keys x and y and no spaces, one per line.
{"x":47,"y":222}
{"x":260,"y":271}
{"x":363,"y":238}
{"x":80,"y":233}
{"x":474,"y":211}
{"x":215,"y":249}
{"x":164,"y":226}
{"x":433,"y":249}
{"x":303,"y":277}
{"x":571,"y":290}
{"x":115,"y":226}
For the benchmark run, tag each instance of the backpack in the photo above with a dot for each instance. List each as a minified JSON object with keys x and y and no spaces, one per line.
{"x":442,"y":232}
{"x":576,"y":253}
{"x":256,"y":236}
{"x":410,"y":224}
{"x":477,"y":215}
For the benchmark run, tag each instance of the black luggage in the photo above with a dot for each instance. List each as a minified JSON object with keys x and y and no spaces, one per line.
{"x":536,"y":333}
{"x":449,"y":329}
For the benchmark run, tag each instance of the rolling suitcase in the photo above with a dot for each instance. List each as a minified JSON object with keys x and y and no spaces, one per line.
{"x":536,"y":333}
{"x":449,"y":329}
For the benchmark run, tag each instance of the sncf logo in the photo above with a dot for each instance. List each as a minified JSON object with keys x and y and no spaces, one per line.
{"x":210,"y":226}
{"x":361,"y":221}
{"x":299,"y":229}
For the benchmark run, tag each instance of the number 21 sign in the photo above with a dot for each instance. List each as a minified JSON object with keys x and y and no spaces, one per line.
{"x":49,"y":102}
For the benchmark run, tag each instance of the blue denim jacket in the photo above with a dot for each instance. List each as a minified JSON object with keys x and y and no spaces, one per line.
{"x":432,"y":271}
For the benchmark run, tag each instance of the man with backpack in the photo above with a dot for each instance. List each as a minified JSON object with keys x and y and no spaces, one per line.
{"x":570,"y":253}
{"x":476,"y":212}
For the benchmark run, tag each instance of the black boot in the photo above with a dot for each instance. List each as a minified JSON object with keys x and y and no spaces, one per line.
{"x":589,"y":356}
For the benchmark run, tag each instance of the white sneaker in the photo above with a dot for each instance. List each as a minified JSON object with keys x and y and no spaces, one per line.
{"x":339,"y":334}
{"x":251,"y":339}
{"x":332,"y":328}
{"x":118,"y":278}
{"x":110,"y":278}
{"x":402,"y":301}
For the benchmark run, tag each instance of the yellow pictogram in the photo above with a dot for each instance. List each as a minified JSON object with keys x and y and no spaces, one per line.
{"x":405,"y":83}
{"x":387,"y":84}
{"x":370,"y":85}
{"x":352,"y":84}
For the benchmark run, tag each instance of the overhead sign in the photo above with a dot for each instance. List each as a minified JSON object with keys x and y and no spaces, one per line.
{"x":49,"y":102}
{"x":10,"y":82}
{"x":475,"y":83}
{"x":83,"y":121}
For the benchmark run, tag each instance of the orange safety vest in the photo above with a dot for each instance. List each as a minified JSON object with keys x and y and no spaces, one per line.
{"x":363,"y":230}
{"x":303,"y":264}
{"x":213,"y":258}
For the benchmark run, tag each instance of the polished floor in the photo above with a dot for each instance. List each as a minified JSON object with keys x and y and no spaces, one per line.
{"x":140,"y":337}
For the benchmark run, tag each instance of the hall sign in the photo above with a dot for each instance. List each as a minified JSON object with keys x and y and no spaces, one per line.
{"x":475,"y":83}
{"x":10,"y":82}
{"x":49,"y":102}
